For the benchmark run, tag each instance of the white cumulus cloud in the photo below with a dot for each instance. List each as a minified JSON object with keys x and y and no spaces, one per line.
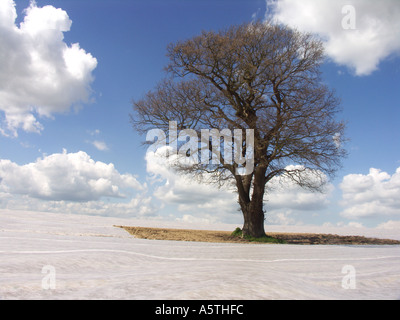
{"x":40,"y":75}
{"x":100,"y":145}
{"x":189,"y":196}
{"x":65,"y":177}
{"x":358,"y":34}
{"x":284,"y":193}
{"x":202,"y":201}
{"x":373,"y":195}
{"x":391,"y":225}
{"x":288,"y":203}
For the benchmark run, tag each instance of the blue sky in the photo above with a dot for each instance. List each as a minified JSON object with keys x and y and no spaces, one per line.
{"x":66,"y":144}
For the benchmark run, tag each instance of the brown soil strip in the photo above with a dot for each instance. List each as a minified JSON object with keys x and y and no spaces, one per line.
{"x":225,"y":236}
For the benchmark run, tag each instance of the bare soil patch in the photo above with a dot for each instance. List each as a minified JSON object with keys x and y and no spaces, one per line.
{"x":226,"y":236}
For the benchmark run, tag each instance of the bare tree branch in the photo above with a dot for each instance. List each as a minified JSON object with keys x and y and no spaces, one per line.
{"x":260,"y":77}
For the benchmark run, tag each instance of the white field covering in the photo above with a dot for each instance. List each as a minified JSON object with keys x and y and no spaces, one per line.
{"x":60,"y":256}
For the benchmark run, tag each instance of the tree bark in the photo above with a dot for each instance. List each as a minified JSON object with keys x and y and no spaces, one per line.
{"x":253,"y":221}
{"x":253,"y":210}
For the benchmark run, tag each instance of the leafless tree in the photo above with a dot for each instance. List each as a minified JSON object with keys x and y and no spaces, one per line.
{"x":258,"y":76}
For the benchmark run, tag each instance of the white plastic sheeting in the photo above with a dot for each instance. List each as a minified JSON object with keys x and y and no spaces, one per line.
{"x":59,"y":256}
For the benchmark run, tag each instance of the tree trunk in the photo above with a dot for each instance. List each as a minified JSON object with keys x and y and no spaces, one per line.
{"x":253,"y":222}
{"x":253,"y":210}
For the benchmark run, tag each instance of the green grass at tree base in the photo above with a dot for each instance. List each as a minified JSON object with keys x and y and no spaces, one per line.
{"x":266,"y":239}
